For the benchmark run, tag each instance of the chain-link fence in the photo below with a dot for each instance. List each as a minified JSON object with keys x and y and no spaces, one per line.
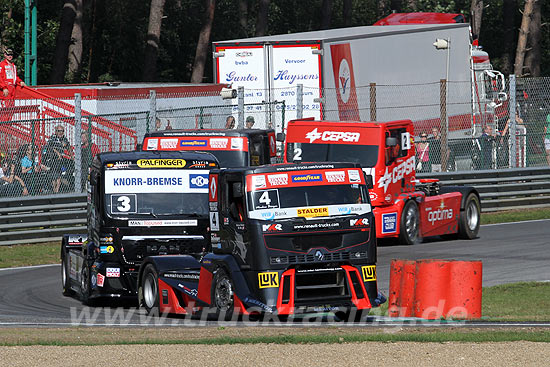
{"x":38,"y":134}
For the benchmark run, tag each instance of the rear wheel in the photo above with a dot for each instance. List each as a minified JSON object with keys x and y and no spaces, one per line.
{"x":408,"y":227}
{"x":468,"y":223}
{"x":222,"y":294}
{"x":150,"y":290}
{"x":65,"y":281}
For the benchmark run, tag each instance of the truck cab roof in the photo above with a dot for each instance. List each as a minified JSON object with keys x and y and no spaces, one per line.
{"x":114,"y":157}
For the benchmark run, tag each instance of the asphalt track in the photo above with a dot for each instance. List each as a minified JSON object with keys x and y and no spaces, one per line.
{"x":510,"y":252}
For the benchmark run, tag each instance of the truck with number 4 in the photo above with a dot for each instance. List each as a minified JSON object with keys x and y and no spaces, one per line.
{"x":286,"y":239}
{"x":404,"y":207}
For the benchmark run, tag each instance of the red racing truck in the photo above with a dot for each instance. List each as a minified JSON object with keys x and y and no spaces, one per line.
{"x":404,"y":207}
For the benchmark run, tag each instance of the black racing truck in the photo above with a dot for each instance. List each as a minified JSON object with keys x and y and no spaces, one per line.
{"x":232,"y":148}
{"x":286,"y":239}
{"x":139,"y":204}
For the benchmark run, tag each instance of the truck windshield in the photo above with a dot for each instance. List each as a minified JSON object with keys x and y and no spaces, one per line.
{"x":229,"y":159}
{"x":366,"y":155}
{"x":156,"y":192}
{"x":308,"y":201}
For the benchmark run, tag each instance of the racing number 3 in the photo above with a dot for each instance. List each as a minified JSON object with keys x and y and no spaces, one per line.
{"x":123,"y":203}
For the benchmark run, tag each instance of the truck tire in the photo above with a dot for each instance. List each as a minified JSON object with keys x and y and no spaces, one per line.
{"x":85,"y":285}
{"x":468,"y":223}
{"x":222,"y":294}
{"x":65,"y":281}
{"x":408,"y":226}
{"x":149,"y":290}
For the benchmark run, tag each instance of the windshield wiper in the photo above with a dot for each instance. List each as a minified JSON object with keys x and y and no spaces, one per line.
{"x":150,"y":213}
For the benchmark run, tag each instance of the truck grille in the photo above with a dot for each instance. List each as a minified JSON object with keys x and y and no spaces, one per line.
{"x":310,"y":258}
{"x":135,"y":251}
{"x":320,"y":287}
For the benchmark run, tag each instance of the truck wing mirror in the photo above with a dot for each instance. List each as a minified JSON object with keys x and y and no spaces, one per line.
{"x":281,"y":137}
{"x":391,"y":141}
{"x":237,"y":190}
{"x":368,"y":180}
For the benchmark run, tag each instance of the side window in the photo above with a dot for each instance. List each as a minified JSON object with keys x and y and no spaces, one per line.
{"x":395,"y":151}
{"x":233,"y":194}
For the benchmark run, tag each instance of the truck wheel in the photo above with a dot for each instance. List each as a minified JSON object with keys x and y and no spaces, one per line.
{"x":85,"y":285}
{"x":65,"y":281}
{"x":408,"y":227}
{"x":222,"y":294}
{"x":468,"y":223}
{"x":150,"y":290}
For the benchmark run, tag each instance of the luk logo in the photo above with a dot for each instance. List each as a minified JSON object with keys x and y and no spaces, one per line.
{"x":272,"y":227}
{"x":350,"y":137}
{"x":369,"y":273}
{"x":268,"y":280}
{"x":198,"y":181}
{"x":362,"y":222}
{"x":343,"y":80}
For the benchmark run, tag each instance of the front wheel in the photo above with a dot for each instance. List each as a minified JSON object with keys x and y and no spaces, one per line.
{"x":408,"y":226}
{"x":222,"y":294}
{"x":65,"y":281}
{"x":469,"y":221}
{"x":149,"y":290}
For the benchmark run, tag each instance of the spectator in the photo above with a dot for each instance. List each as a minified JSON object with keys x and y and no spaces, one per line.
{"x":250,"y":122}
{"x":487,"y":140}
{"x":168,"y":126}
{"x":10,"y":183}
{"x":435,"y":148}
{"x":88,"y":152}
{"x":58,"y":156}
{"x":547,"y":138}
{"x":8,"y":81}
{"x":230,"y":122}
{"x":29,"y":170}
{"x":158,"y":124}
{"x":423,"y":154}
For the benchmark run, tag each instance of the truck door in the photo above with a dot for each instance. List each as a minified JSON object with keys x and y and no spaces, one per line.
{"x":233,"y":212}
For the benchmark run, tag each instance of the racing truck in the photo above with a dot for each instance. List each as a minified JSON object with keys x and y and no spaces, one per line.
{"x":286,"y":239}
{"x":232,"y":148}
{"x":139,"y":204}
{"x":405,"y":208}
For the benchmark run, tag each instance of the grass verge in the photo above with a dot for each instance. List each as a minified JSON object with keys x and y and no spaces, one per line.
{"x":524,"y":301}
{"x":515,"y":216}
{"x":258,"y":335}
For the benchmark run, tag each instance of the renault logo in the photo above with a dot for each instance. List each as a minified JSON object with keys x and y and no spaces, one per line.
{"x":319,"y":255}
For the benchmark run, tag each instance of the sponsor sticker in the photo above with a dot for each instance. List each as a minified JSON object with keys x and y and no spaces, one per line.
{"x":272,"y":227}
{"x":278,"y":179}
{"x":354,"y":176}
{"x":369,"y":273}
{"x":193,"y":143}
{"x":307,"y":178}
{"x":237,"y":143}
{"x":112,"y":273}
{"x":389,"y":223}
{"x":362,"y":222}
{"x":100,"y":279}
{"x":335,"y":176}
{"x":169,"y":143}
{"x":152,"y":144}
{"x":161,"y":163}
{"x":162,"y":223}
{"x":218,"y":143}
{"x":106,"y":249}
{"x":258,"y":182}
{"x":268,"y":279}
{"x":313,"y":212}
{"x":214,"y":221}
{"x":198,"y":181}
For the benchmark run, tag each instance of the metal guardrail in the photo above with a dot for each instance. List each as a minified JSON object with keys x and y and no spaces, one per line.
{"x":46,"y":218}
{"x":36,"y":219}
{"x":506,"y":189}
